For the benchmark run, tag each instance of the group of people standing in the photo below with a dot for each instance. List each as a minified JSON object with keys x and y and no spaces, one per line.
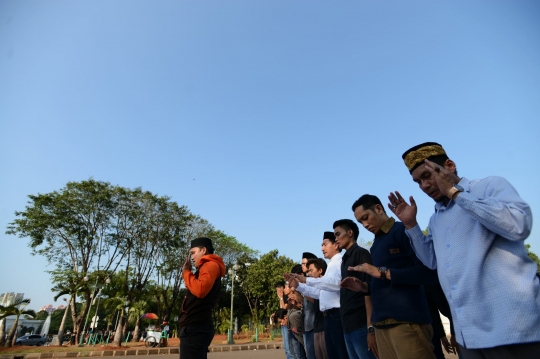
{"x":472,"y":266}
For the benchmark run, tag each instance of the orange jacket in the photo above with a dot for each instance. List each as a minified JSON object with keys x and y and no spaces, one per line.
{"x":211,"y":267}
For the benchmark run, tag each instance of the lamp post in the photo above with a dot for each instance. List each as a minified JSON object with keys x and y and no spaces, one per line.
{"x":94,"y":321}
{"x":81,"y":340}
{"x":95,"y":292}
{"x":232,"y":273}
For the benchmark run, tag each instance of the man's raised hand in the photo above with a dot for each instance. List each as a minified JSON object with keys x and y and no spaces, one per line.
{"x":404,"y":212}
{"x":354,"y":284}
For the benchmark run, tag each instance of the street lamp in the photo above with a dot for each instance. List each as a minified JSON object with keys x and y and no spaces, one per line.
{"x":232,"y":273}
{"x":94,"y":321}
{"x":92,"y":300}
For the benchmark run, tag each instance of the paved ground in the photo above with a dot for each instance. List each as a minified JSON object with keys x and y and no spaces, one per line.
{"x":245,"y":354}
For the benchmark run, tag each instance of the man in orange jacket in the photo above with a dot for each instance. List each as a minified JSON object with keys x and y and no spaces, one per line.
{"x":203,"y":287}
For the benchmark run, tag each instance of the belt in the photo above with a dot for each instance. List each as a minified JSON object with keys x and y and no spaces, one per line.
{"x":330,"y":311}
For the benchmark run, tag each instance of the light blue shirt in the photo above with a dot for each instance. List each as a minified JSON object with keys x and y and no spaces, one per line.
{"x":476,"y":243}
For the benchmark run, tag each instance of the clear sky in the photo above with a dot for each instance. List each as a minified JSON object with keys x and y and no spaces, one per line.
{"x":268,"y":118}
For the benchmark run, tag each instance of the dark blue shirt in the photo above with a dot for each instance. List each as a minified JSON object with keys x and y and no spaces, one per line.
{"x":402,"y":298}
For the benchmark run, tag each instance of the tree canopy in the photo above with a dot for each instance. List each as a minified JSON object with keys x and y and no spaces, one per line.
{"x":126,"y":248}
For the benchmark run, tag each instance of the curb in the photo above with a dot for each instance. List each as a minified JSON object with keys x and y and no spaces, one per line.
{"x":118,"y":353}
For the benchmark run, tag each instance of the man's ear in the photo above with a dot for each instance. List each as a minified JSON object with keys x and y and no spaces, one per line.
{"x":379,"y":209}
{"x":450,"y":165}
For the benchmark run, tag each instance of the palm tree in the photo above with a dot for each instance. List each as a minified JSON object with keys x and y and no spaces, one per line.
{"x":135,"y":312}
{"x":119,"y":304}
{"x":16,"y":309}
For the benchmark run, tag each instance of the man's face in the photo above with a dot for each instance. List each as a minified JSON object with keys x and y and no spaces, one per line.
{"x":196,"y":254}
{"x":427,"y":183}
{"x":314,"y":272}
{"x":371,"y":219}
{"x":344,"y":238}
{"x":304,"y":265}
{"x":329,"y":249}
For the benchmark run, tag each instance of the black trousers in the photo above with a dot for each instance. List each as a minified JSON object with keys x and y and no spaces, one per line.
{"x":514,"y":351}
{"x":194,"y":341}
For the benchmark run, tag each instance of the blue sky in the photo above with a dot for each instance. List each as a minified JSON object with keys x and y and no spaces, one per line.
{"x":268,"y":118}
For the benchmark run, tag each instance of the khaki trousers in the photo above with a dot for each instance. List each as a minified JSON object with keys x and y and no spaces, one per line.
{"x":405,"y":341}
{"x":320,"y":346}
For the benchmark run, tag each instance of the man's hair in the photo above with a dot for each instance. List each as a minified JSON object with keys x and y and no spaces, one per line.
{"x":368,"y":201}
{"x":281,"y":313}
{"x":308,"y":255}
{"x":319,"y":263}
{"x":347,"y":225}
{"x":280,"y":284}
{"x":297,"y":269}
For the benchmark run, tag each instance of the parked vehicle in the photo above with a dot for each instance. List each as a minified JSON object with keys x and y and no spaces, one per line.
{"x":33,"y":339}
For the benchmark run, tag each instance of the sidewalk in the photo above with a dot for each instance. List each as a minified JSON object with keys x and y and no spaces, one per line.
{"x":139,"y":351}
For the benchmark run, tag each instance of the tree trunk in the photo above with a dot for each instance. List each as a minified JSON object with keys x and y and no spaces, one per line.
{"x":14,"y":340}
{"x":124,"y":328}
{"x":136,"y":331}
{"x":78,"y":320}
{"x":2,"y":331}
{"x":62,"y":325}
{"x":118,"y":333}
{"x":12,"y":331}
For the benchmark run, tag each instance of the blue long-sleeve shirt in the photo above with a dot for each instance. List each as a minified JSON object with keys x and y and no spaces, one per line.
{"x":476,"y":243}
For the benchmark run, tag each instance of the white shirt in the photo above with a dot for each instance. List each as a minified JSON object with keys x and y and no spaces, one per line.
{"x":325,"y":288}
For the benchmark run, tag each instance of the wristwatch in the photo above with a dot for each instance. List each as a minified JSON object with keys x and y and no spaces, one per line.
{"x":382,"y":271}
{"x":455,"y":189}
{"x":371,"y":329}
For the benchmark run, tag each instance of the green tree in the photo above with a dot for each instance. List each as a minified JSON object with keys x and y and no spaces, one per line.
{"x":258,"y":284}
{"x":534,"y":257}
{"x":75,"y":229}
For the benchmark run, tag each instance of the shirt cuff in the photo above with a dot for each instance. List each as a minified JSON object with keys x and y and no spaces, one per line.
{"x":414,"y":232}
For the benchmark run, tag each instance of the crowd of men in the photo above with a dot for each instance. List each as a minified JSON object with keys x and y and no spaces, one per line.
{"x":472,"y":266}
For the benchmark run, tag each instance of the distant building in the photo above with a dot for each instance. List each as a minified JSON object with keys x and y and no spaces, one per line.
{"x":10,"y":298}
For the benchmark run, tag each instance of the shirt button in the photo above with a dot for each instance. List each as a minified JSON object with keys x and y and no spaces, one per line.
{"x":459,"y":310}
{"x":453,"y":287}
{"x":448,"y":246}
{"x":447,"y":265}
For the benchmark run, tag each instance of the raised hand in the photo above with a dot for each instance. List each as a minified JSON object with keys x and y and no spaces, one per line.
{"x":366,"y":268}
{"x":187,"y":263}
{"x":293,"y":283}
{"x":404,"y":212}
{"x":445,"y":178}
{"x":354,"y":284}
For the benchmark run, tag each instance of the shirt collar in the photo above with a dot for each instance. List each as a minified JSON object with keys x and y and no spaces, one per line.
{"x":336,"y":257}
{"x":348,"y":252}
{"x":386,"y":227}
